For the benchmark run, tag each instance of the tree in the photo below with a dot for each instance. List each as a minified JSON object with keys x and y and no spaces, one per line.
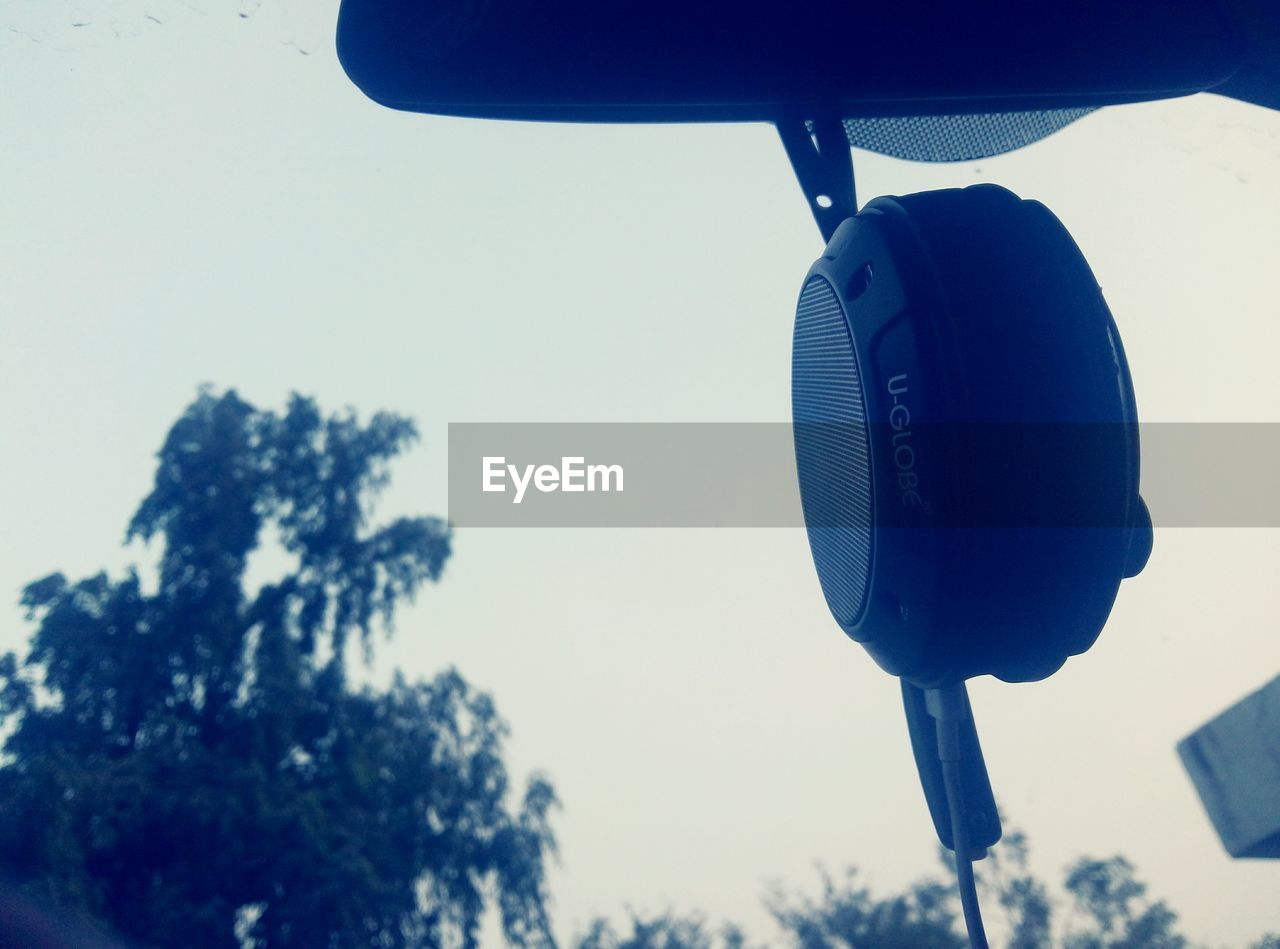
{"x":847,"y":916}
{"x":1119,"y":915}
{"x":666,"y":931}
{"x":192,"y":764}
{"x":1109,"y":910}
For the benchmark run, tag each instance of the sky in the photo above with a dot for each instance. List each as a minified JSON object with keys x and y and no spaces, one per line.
{"x":195,"y":193}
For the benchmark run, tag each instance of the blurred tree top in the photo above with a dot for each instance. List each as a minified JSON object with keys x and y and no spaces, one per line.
{"x":1106,"y":907}
{"x":193,"y":767}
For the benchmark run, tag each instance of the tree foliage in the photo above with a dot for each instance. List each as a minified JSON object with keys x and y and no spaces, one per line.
{"x":190,"y":762}
{"x":1107,"y":907}
{"x":1113,"y":900}
{"x":845,"y":915}
{"x":664,"y":931}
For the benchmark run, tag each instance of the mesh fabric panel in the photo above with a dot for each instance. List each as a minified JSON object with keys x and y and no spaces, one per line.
{"x":956,"y":137}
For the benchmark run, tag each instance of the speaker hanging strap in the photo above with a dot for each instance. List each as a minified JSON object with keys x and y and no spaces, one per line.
{"x":975,"y":786}
{"x":823,"y":163}
{"x":954,"y":777}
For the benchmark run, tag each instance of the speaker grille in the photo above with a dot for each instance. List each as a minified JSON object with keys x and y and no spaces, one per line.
{"x":832,"y":454}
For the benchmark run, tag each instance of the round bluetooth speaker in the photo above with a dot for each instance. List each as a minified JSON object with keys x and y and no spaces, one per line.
{"x":966,"y":437}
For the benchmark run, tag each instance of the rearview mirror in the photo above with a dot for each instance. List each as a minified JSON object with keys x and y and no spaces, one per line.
{"x":668,"y":60}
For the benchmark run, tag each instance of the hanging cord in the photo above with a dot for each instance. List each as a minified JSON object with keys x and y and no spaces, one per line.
{"x":949,"y":707}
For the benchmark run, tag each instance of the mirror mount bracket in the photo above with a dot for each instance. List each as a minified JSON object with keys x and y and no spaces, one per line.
{"x":820,"y":155}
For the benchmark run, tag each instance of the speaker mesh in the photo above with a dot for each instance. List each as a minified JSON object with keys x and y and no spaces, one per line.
{"x":832,"y":455}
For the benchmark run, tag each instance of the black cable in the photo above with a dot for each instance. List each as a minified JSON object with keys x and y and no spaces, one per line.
{"x":964,"y":865}
{"x":950,"y":708}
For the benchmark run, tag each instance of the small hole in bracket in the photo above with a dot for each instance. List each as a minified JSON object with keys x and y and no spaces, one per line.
{"x":823,"y":201}
{"x":858,"y":283}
